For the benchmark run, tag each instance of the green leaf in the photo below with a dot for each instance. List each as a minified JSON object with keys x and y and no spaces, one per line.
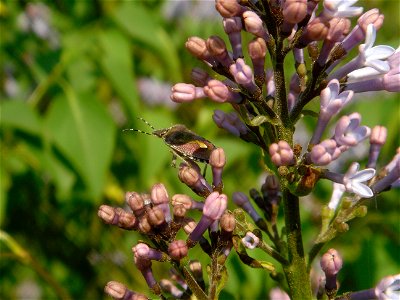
{"x":142,"y":25}
{"x":117,"y":65}
{"x":19,"y":115}
{"x":84,"y":132}
{"x":257,"y":121}
{"x":311,"y":113}
{"x":223,"y":278}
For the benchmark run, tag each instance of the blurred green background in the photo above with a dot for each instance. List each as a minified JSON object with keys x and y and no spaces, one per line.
{"x":73,"y":74}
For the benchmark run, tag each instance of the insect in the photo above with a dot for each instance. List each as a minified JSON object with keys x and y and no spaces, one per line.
{"x":183,"y":142}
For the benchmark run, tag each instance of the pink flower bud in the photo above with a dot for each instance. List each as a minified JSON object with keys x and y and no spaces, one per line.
{"x":233,"y":27}
{"x":219,"y":92}
{"x":119,"y":291}
{"x":200,"y":77}
{"x":228,"y":8}
{"x":135,"y":202}
{"x":184,"y":92}
{"x":294,"y":11}
{"x":177,"y":250}
{"x":217,"y":48}
{"x":215,"y":205}
{"x":372,"y":16}
{"x":227,"y":222}
{"x":254,"y":24}
{"x":281,"y":153}
{"x":325,"y":152}
{"x":331,"y":262}
{"x":378,"y":135}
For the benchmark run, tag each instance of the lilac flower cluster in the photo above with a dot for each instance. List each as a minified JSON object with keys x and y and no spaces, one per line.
{"x":265,"y":113}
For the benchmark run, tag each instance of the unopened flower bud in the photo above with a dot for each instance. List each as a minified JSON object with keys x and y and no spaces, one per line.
{"x":120,"y":292}
{"x":177,"y":250}
{"x":254,"y":24}
{"x":198,"y":48}
{"x":331,"y":263}
{"x":156,"y":216}
{"x":372,"y":16}
{"x":228,"y":8}
{"x":377,"y":139}
{"x":189,"y":225}
{"x":281,"y":154}
{"x":257,"y":52}
{"x":325,"y":152}
{"x":144,"y":225}
{"x":241,"y":200}
{"x":316,"y":30}
{"x":159,"y":196}
{"x":196,"y":269}
{"x":169,"y":287}
{"x":179,"y":211}
{"x":184,"y":92}
{"x":190,"y":175}
{"x":217,"y":162}
{"x":214,"y":206}
{"x":227,"y":222}
{"x":143,"y":251}
{"x":219,"y":92}
{"x":135,"y":202}
{"x":233,"y":27}
{"x":200,"y":77}
{"x":217,"y":48}
{"x":293,"y":12}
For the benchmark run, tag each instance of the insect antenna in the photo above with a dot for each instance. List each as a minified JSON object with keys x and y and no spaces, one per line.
{"x":141,"y":131}
{"x":137,"y":130}
{"x":147,"y":123}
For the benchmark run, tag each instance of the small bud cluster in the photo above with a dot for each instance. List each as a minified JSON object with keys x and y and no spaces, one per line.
{"x":152,"y":216}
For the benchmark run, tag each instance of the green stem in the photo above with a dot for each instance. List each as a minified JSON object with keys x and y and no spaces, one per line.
{"x":296,"y":271}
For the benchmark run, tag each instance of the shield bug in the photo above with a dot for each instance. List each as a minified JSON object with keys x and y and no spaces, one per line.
{"x":183,"y":142}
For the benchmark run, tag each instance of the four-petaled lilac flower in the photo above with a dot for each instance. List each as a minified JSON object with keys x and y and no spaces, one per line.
{"x":348,"y":131}
{"x":250,"y":240}
{"x":331,"y":103}
{"x":372,"y":58}
{"x":353,"y":180}
{"x":388,"y":288}
{"x":341,"y":9}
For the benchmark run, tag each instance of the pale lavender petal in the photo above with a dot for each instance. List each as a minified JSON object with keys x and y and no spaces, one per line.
{"x":381,"y":66}
{"x":363,"y":73}
{"x":379,"y":52}
{"x":364,"y":175}
{"x":362,"y":190}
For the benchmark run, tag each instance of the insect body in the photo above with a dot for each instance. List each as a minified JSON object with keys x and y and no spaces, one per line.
{"x":183,"y":142}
